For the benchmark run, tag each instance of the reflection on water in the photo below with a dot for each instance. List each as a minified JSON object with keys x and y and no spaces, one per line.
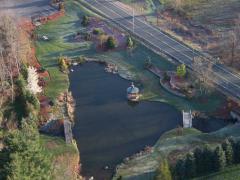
{"x":109,"y":128}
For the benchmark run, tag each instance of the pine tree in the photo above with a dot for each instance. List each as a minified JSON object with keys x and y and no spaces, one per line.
{"x":219,"y":159}
{"x":207,"y":159}
{"x":198,"y":153}
{"x":164,"y":172}
{"x":179,"y":170}
{"x":237,"y":152}
{"x":190,"y":166}
{"x":24,"y":71}
{"x":129,"y":42}
{"x":227,"y":147}
{"x":26,"y":158}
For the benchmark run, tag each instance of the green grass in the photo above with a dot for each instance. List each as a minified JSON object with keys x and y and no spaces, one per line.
{"x":57,"y":146}
{"x":180,"y":132}
{"x":59,"y":32}
{"x":65,"y":157}
{"x":171,"y":145}
{"x":49,"y":51}
{"x":229,"y":173}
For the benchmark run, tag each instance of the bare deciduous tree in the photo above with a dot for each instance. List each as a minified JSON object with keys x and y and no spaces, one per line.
{"x":9,"y":48}
{"x":231,"y":44}
{"x":204,"y":74}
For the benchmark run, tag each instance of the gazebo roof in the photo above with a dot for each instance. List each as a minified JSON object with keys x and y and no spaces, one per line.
{"x":132,"y":89}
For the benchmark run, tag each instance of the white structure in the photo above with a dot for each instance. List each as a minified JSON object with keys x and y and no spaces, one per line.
{"x":32,"y":81}
{"x":45,"y":38}
{"x":187,"y":119}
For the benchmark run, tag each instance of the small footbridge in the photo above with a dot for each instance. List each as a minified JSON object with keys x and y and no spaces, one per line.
{"x":187,"y":119}
{"x":67,"y":122}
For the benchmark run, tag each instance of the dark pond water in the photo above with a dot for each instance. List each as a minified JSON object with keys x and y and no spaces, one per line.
{"x":107,"y":127}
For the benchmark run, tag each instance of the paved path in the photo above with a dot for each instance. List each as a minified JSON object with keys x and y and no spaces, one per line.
{"x":226,"y":81}
{"x":27,"y":8}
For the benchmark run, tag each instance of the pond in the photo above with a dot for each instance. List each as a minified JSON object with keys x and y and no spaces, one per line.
{"x":107,"y":127}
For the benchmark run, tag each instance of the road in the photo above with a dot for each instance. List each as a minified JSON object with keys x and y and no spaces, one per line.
{"x":26,"y":8}
{"x":226,"y":81}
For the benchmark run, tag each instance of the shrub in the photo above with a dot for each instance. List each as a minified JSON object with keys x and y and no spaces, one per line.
{"x":181,"y":70}
{"x":97,"y":31}
{"x":111,"y":42}
{"x":42,"y":70}
{"x":85,"y":20}
{"x":130,"y":43}
{"x":81,"y":59}
{"x":61,"y":7}
{"x":148,"y":63}
{"x":166,"y":77}
{"x":87,"y":36}
{"x":63,"y":65}
{"x":33,"y":100}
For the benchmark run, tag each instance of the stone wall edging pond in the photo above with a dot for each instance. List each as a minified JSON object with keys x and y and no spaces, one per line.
{"x":123,"y":73}
{"x":170,"y":90}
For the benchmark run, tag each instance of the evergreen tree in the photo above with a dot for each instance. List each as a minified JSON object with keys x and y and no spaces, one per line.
{"x":164,"y":172}
{"x":207,"y":159}
{"x":198,"y":153}
{"x":25,"y":158}
{"x":190,"y":166}
{"x":24,"y":71}
{"x":179,"y":170}
{"x":129,"y":42}
{"x":219,"y":159}
{"x":227,"y":147}
{"x":237,"y":152}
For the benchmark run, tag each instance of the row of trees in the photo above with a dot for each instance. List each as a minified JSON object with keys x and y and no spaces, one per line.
{"x":206,"y":160}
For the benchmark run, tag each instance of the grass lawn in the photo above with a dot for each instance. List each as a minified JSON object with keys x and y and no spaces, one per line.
{"x":49,"y":51}
{"x":65,"y":157}
{"x":173,"y":145}
{"x":229,"y":173}
{"x":60,"y":32}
